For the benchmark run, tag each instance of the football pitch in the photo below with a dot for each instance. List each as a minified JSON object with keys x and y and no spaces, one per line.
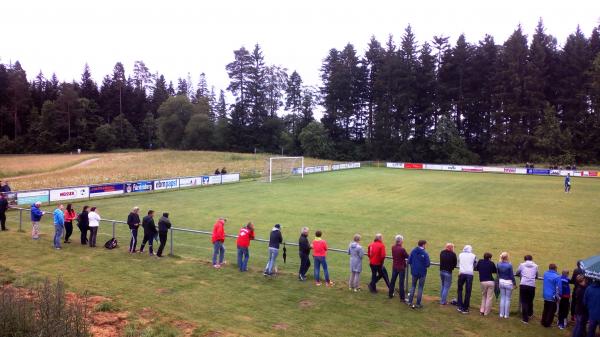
{"x":492,"y":212}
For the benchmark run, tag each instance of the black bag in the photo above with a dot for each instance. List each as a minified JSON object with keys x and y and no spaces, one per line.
{"x":111,"y":244}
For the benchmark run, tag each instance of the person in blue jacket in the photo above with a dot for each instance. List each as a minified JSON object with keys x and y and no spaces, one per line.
{"x":36,"y":216}
{"x":552,"y":293}
{"x":59,"y":225}
{"x":419,"y":262}
{"x":568,"y":183}
{"x":591,"y":299}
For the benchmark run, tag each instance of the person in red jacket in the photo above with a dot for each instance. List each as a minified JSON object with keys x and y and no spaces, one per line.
{"x":243,"y":242}
{"x":70,"y":215}
{"x":376,"y":253}
{"x":218,"y":240}
{"x":320,"y":258}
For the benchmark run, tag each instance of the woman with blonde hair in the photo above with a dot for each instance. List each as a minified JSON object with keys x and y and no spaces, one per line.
{"x":506,"y":282}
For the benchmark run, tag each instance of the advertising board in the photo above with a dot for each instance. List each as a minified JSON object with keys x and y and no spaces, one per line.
{"x":81,"y":192}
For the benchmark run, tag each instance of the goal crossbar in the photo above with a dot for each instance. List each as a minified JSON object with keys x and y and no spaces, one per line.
{"x":288,"y":170}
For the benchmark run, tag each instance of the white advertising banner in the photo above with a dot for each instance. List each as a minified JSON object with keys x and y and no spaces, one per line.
{"x":493,"y":169}
{"x":230,"y":178}
{"x":70,"y":193}
{"x":166,"y":184}
{"x":433,"y":167}
{"x":190,"y":181}
{"x":211,"y":180}
{"x":344,"y":166}
{"x":452,"y":168}
{"x":520,"y":170}
{"x":394,"y":165}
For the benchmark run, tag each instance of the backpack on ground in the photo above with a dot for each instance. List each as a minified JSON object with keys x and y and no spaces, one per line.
{"x":111,"y":244}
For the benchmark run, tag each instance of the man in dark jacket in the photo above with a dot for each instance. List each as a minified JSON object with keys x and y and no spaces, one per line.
{"x":304,"y":251}
{"x":133,"y":220}
{"x":274,"y":241}
{"x":591,"y":300}
{"x":149,"y":231}
{"x":3,"y":208}
{"x":448,"y":262}
{"x":576,"y":272}
{"x":419,"y":262}
{"x":164,"y":224}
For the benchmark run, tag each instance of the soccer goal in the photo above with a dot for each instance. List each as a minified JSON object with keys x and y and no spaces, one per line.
{"x":283,"y":167}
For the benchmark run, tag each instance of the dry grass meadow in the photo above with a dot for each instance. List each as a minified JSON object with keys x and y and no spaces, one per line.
{"x":55,"y":170}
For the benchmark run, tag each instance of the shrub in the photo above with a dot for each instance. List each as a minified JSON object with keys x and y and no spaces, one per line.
{"x":106,"y":307}
{"x":45,"y":312}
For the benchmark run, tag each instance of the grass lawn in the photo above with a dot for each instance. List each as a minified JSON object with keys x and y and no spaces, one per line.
{"x":495,"y":213}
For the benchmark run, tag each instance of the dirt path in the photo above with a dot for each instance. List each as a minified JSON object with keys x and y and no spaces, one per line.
{"x":32,"y":175}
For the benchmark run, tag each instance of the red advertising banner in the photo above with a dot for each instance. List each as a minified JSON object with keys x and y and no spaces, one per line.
{"x":413,"y":166}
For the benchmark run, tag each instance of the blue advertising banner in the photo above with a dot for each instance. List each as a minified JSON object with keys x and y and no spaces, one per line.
{"x":538,"y":171}
{"x":103,"y":190}
{"x":139,"y":186}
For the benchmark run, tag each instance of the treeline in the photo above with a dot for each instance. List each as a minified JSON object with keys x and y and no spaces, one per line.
{"x":523,"y":100}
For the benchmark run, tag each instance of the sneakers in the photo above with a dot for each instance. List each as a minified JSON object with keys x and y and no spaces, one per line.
{"x":301,"y":278}
{"x":217,"y":266}
{"x":330,"y":284}
{"x":560,"y":326}
{"x":318,"y":284}
{"x":522,"y":321}
{"x":462,"y":311}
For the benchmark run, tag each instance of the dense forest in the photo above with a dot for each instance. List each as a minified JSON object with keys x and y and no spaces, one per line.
{"x":527,"y":99}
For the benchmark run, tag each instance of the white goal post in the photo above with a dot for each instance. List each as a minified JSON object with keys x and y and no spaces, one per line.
{"x":283,"y":167}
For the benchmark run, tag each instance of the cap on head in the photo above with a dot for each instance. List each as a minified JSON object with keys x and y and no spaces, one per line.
{"x":278,"y":226}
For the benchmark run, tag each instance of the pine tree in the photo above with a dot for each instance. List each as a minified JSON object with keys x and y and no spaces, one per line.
{"x":88,"y":88}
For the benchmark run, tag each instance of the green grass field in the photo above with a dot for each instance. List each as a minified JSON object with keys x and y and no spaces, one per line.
{"x":494,"y":213}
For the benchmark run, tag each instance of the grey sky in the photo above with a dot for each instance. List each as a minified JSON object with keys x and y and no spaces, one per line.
{"x":176,"y":37}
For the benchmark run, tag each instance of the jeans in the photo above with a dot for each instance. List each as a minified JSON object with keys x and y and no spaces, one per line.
{"x":273,"y":252}
{"x":93,"y":235}
{"x":580,"y":324}
{"x":58,"y":234}
{"x":304,"y":264}
{"x":505,"y":293}
{"x":548,"y":313}
{"x":133,"y":241}
{"x":400,"y":275}
{"x":243,"y":255}
{"x":162,"y":236}
{"x":526,"y":296}
{"x":321,"y":261}
{"x":487,"y":294}
{"x":421,"y":281}
{"x":354,"y":282}
{"x":68,"y":230}
{"x":218,"y":249}
{"x":464,"y":280}
{"x":378,"y":272}
{"x":35,"y":230}
{"x":446,"y":283}
{"x":593,"y":325}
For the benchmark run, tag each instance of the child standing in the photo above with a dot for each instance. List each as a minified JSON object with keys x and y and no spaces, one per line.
{"x":320,"y":259}
{"x":563,"y":305}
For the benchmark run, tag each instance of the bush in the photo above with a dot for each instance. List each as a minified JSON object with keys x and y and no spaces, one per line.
{"x":45,"y":313}
{"x":106,"y":307}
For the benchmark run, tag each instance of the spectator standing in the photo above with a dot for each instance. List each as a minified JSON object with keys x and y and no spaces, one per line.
{"x":356,"y":252}
{"x":149,"y":232}
{"x":448,"y":262}
{"x":243,"y":244}
{"x":506,"y":283}
{"x":576,"y":272}
{"x":466,"y":265}
{"x":70,"y":215}
{"x":528,"y":272}
{"x":94,"y":224}
{"x":5,"y":188}
{"x":59,"y":225}
{"x":223,"y":170}
{"x":133,"y":221}
{"x":580,"y":312}
{"x":164,"y":224}
{"x":36,"y":216}
{"x":320,"y":256}
{"x":3,"y":208}
{"x":376,"y":253}
{"x":591,"y":299}
{"x":304,"y":252}
{"x":552,"y":292}
{"x":419,"y":262}
{"x":565,"y":297}
{"x":486,"y":269}
{"x":399,"y":256}
{"x":218,"y":241}
{"x":275,"y":239}
{"x":84,"y":224}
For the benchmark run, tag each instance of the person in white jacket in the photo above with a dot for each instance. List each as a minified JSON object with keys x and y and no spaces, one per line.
{"x":528,"y":271}
{"x":466,"y":265}
{"x":94,"y":223}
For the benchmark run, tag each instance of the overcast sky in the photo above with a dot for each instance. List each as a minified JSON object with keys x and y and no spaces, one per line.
{"x":176,"y":37}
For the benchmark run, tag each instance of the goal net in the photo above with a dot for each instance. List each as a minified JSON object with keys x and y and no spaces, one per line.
{"x":283,"y":167}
